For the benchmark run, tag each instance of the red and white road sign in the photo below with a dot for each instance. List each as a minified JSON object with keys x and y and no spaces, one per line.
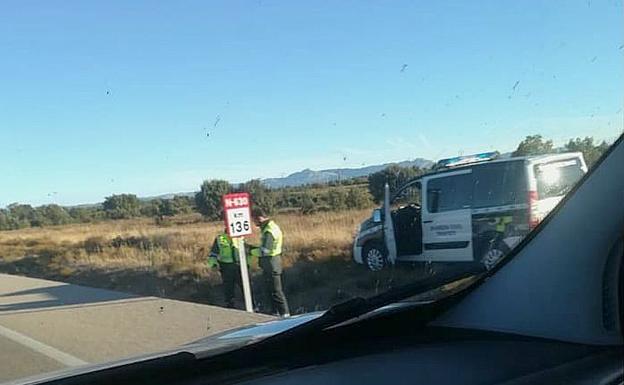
{"x":237,"y":214}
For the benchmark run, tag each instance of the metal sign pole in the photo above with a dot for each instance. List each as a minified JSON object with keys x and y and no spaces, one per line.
{"x":244,"y":274}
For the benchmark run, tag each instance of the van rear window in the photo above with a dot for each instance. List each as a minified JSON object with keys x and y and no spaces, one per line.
{"x":500,"y":184}
{"x":555,"y":179}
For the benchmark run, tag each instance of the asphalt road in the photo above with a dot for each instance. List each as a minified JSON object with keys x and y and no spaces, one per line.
{"x":47,"y":325}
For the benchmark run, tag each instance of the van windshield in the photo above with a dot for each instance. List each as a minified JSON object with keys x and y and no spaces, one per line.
{"x":557,"y":178}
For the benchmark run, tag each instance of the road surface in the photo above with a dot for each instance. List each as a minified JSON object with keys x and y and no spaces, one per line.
{"x":47,"y":325}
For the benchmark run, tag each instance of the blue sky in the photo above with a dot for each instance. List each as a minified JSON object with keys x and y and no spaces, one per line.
{"x":110,"y":97}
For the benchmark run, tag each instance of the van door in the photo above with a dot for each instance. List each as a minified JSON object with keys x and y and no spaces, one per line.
{"x":447,"y":217}
{"x":389,"y":227}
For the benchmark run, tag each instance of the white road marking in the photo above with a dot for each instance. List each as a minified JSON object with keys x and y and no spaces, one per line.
{"x":40,"y":347}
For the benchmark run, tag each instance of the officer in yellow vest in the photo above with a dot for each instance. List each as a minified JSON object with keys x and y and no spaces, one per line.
{"x":224,"y":256}
{"x":502,"y":222}
{"x":270,"y":260}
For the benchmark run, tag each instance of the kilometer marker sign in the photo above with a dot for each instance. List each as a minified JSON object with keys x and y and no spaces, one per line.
{"x":237,"y":216}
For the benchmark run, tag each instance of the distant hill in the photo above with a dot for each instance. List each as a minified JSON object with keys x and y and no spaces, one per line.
{"x":169,"y":196}
{"x":308,"y":176}
{"x":300,"y":178}
{"x":144,"y":199}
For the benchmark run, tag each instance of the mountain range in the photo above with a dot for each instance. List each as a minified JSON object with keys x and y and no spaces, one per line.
{"x":308,"y":176}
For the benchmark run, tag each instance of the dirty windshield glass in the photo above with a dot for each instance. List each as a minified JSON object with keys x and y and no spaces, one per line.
{"x":172,"y":170}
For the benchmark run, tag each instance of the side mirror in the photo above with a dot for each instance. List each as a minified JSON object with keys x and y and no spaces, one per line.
{"x":377,"y":215}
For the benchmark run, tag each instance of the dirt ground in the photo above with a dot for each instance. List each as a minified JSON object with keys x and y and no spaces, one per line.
{"x":309,"y":285}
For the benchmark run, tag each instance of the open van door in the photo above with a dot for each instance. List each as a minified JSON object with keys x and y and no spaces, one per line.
{"x":447,"y":217}
{"x":390,"y":241}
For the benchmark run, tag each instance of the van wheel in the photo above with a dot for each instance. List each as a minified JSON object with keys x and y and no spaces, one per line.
{"x":374,"y":256}
{"x":494,"y":254}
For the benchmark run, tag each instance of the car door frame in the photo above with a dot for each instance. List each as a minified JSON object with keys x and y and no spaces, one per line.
{"x":453,"y":242}
{"x":389,"y":237}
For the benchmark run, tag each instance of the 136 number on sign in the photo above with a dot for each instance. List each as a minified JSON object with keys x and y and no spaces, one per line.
{"x":239,"y":226}
{"x":238,"y":221}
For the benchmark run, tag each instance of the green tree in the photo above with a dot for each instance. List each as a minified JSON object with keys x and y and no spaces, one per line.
{"x":38,"y":219}
{"x":208,"y":198}
{"x":359,"y":198}
{"x":534,"y":145}
{"x":283,"y":198}
{"x":7,"y":222}
{"x":167,"y":208}
{"x":175,"y":206}
{"x":52,"y":215}
{"x":84,"y":214}
{"x":122,"y":206}
{"x":308,"y":206}
{"x":22,"y":215}
{"x":591,"y":152}
{"x":261,"y":195}
{"x":183,"y":204}
{"x":337,"y":199}
{"x":151,"y":208}
{"x":394,"y":175}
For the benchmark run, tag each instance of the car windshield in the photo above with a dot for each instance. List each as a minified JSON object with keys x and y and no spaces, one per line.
{"x":173,"y":170}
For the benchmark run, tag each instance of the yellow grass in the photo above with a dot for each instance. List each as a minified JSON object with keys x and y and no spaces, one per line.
{"x":179,"y":246}
{"x":168,"y":260}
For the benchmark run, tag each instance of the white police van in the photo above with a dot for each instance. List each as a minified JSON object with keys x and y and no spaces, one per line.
{"x":469,"y":209}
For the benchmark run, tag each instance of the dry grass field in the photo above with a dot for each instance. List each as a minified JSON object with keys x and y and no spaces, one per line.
{"x":168,"y":259}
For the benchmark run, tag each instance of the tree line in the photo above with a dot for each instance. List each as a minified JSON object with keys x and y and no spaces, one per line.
{"x":307,"y":199}
{"x":537,"y":145}
{"x":355,"y":193}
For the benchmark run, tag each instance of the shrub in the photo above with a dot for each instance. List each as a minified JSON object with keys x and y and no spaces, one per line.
{"x":208,"y":199}
{"x":122,"y":206}
{"x":358,"y":198}
{"x":261,"y":196}
{"x":95,"y":244}
{"x":394,"y":175}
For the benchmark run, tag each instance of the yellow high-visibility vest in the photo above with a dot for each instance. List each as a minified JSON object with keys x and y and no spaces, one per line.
{"x":278,"y":238}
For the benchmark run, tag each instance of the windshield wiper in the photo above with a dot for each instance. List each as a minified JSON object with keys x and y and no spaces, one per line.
{"x":359,"y":306}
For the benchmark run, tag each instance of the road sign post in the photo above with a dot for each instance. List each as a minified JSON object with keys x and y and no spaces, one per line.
{"x":245,"y":275}
{"x":237,"y":214}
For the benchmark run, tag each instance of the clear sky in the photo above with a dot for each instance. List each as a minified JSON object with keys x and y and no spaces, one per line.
{"x":151,"y":97}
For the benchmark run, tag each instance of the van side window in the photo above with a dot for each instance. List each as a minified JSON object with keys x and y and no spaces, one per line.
{"x":499,"y":184}
{"x":449,"y":193}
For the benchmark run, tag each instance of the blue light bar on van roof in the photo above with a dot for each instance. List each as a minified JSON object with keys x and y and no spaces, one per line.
{"x":467,"y":159}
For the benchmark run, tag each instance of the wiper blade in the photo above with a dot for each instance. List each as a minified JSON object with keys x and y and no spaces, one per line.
{"x":359,"y":306}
